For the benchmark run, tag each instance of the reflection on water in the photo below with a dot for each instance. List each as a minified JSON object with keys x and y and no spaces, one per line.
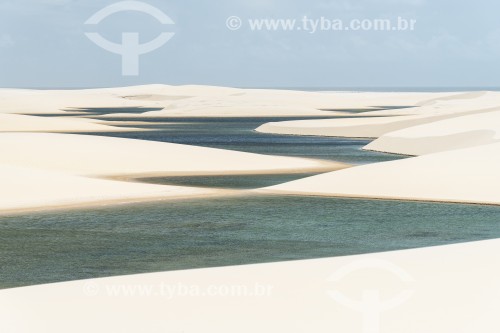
{"x":60,"y":246}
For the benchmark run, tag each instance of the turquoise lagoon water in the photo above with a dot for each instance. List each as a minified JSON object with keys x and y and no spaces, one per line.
{"x":239,"y":134}
{"x":126,"y":239}
{"x":67,"y":245}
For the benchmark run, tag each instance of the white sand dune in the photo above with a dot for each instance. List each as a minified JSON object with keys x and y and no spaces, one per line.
{"x":439,"y":130}
{"x":447,"y":289}
{"x":442,"y":127}
{"x":202,"y":101}
{"x":434,"y":122}
{"x":29,"y":189}
{"x":56,"y":170}
{"x":452,"y":289}
{"x":377,"y":123}
{"x":465,"y":175}
{"x":280,"y":103}
{"x":23,"y":123}
{"x":91,"y":156}
{"x":107,"y":156}
{"x":449,"y":134}
{"x":360,"y":127}
{"x":436,"y":103}
{"x":60,"y":101}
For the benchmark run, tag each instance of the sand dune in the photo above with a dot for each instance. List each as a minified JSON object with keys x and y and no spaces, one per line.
{"x":448,"y":289}
{"x":106,"y":156}
{"x":267,"y":103}
{"x":464,"y":175}
{"x":280,"y":103}
{"x":352,"y":127}
{"x":444,"y":126}
{"x":203,"y":101}
{"x":377,"y":123}
{"x":22,"y":123}
{"x":67,"y":157}
{"x":44,"y":170}
{"x":454,"y":133}
{"x":57,"y":101}
{"x":451,"y":289}
{"x":27,"y":188}
{"x":430,"y":122}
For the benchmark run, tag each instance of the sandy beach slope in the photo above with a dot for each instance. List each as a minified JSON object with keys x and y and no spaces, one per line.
{"x":448,"y":289}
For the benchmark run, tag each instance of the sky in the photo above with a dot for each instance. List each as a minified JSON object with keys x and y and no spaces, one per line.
{"x":454,"y":44}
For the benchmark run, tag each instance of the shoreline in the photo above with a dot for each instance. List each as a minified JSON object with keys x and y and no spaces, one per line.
{"x":136,"y":178}
{"x":360,"y":197}
{"x":297,"y":295}
{"x":210,"y":193}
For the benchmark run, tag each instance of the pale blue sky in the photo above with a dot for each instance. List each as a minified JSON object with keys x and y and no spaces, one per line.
{"x":455,"y":44}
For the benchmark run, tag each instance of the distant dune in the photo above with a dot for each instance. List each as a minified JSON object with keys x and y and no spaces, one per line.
{"x":377,"y":123}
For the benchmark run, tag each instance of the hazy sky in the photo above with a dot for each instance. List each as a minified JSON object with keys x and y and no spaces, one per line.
{"x":455,"y":44}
